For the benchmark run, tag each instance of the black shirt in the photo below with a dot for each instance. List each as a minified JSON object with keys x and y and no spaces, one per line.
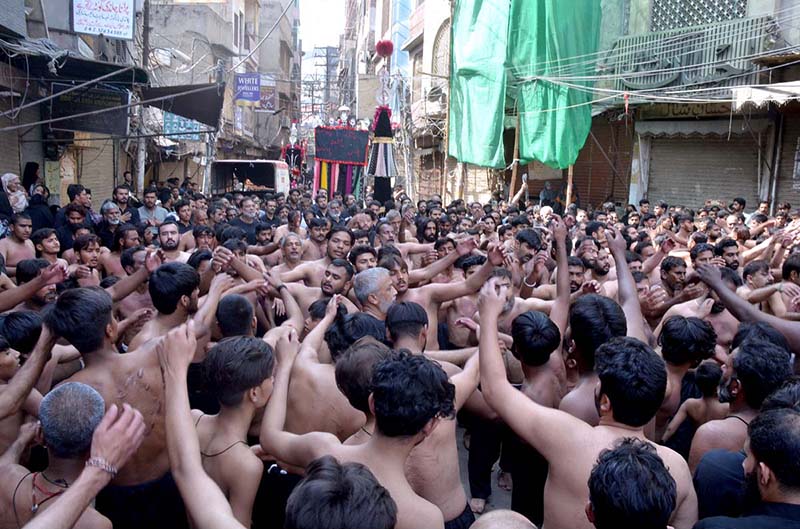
{"x":249,"y":229}
{"x":765,"y":516}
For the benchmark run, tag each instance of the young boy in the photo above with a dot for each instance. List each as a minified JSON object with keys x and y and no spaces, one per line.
{"x":86,"y":249}
{"x":45,"y":241}
{"x":239,"y":372}
{"x":704,"y":409}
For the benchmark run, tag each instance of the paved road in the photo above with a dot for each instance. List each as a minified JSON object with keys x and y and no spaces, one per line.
{"x":500,"y":499}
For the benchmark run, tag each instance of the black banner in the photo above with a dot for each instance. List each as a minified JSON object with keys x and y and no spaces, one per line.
{"x":341,"y":145}
{"x":114,"y":122}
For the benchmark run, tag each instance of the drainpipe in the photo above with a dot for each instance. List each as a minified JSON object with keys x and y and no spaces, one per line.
{"x":776,"y":162}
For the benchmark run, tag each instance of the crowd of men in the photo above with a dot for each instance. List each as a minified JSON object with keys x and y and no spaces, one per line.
{"x":303,"y":361}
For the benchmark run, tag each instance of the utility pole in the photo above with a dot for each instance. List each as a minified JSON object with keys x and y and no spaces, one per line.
{"x":141,"y":152}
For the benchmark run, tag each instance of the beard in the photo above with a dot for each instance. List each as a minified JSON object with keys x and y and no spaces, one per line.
{"x":509,"y":306}
{"x":751,"y":494}
{"x":717,"y":308}
{"x":169,"y":246}
{"x":602,"y":272}
{"x":574,"y":287}
{"x":429,"y":237}
{"x":733,"y":266}
{"x":725,"y":394}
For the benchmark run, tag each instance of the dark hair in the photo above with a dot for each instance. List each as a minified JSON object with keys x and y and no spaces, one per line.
{"x":235,"y":315}
{"x":405,"y":318}
{"x":347,"y":328}
{"x":237,"y":364}
{"x":338,"y":228}
{"x":359,"y":250}
{"x":4,"y":345}
{"x":535,"y":338}
{"x":21,"y":329}
{"x":149,"y":191}
{"x":29,"y":269}
{"x":593,"y":227}
{"x":16,"y":217}
{"x":700,"y":248}
{"x":74,"y":208}
{"x":575,"y":261}
{"x":41,"y":234}
{"x":631,"y":487}
{"x":316,"y":311}
{"x":336,"y":496}
{"x":408,"y":391}
{"x":201,"y":230}
{"x":531,"y":238}
{"x":761,"y":368}
{"x":120,"y":233}
{"x":441,"y":242}
{"x":687,"y":340}
{"x":753,"y":267}
{"x":228,"y":233}
{"x":354,"y":370}
{"x":348,"y":268}
{"x":731,"y":276}
{"x":775,"y":441}
{"x":670,"y":262}
{"x":593,"y":321}
{"x":235,"y":245}
{"x":83,"y":242}
{"x":73,"y":190}
{"x":633,"y":377}
{"x":791,"y":264}
{"x":722,"y":244}
{"x":786,"y":396}
{"x":180,"y":204}
{"x":197,"y":258}
{"x":707,"y":377}
{"x":640,"y":246}
{"x":169,"y":283}
{"x":80,"y":315}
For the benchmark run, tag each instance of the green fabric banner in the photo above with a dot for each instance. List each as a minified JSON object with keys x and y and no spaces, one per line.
{"x":552,"y":38}
{"x":499,"y":47}
{"x":478,"y":81}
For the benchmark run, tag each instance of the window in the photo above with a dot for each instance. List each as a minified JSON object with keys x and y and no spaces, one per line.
{"x":238,"y":31}
{"x":671,"y":14}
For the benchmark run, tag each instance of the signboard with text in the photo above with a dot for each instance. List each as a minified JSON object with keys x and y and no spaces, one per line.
{"x":112,"y":18}
{"x":83,"y":101}
{"x":341,"y":145}
{"x":175,"y":124}
{"x":247,"y":89}
{"x":269,"y":93}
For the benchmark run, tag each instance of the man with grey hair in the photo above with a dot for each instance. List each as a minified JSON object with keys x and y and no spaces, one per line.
{"x":111,"y":221}
{"x":374,"y":291}
{"x":69,"y":415}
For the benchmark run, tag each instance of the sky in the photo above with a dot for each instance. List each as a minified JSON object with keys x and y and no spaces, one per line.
{"x":321,"y":23}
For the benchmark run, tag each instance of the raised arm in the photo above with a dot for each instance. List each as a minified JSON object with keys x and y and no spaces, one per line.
{"x":440,"y":265}
{"x":296,"y":450}
{"x":552,"y":432}
{"x":115,"y":440}
{"x":51,"y":275}
{"x":626,"y":287}
{"x":294,"y":315}
{"x":128,"y":284}
{"x":441,"y":292}
{"x":14,"y":393}
{"x":559,"y":312}
{"x":466,"y":382}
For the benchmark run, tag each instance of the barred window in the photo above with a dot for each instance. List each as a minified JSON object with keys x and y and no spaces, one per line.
{"x":671,"y":14}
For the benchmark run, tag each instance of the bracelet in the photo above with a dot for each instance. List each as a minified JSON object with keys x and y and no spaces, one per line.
{"x":102,"y":464}
{"x":280,"y":287}
{"x":525,"y":280}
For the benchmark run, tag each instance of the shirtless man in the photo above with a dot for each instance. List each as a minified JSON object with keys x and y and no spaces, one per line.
{"x":84,"y":317}
{"x":86,"y":249}
{"x":632,"y":385}
{"x":169,"y":237}
{"x":337,"y":279}
{"x":29,"y":270}
{"x":363,"y":257}
{"x":69,"y":415}
{"x":126,"y":236}
{"x":314,"y":247}
{"x":133,"y":260}
{"x":293,"y":226}
{"x":404,"y":418}
{"x":593,"y":321}
{"x":17,"y":246}
{"x":753,"y":371}
{"x":432,"y":468}
{"x":760,"y":290}
{"x":685,"y":342}
{"x":291,"y":252}
{"x":705,"y":408}
{"x":45,"y":241}
{"x":339,"y":242}
{"x":432,"y":295}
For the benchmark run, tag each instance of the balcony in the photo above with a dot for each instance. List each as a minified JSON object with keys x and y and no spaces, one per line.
{"x":717,"y":55}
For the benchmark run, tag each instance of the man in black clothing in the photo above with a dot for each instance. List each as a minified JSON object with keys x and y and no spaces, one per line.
{"x":77,"y":195}
{"x":247,"y":220}
{"x":773,"y":467}
{"x":122,"y":198}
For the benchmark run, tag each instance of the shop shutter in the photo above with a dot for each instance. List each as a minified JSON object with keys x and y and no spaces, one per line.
{"x":688,"y":171}
{"x":788,"y":189}
{"x":9,"y":142}
{"x":96,"y":168}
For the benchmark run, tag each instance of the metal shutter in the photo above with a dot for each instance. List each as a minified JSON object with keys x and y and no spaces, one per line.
{"x":788,"y":189}
{"x":687,"y":171}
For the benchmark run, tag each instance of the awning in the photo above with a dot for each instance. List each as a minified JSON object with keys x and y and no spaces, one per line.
{"x":760,"y":95}
{"x":201,"y":103}
{"x":698,"y":127}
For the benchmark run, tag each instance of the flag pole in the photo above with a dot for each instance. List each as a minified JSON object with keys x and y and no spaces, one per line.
{"x":569,"y":188}
{"x":514,"y":164}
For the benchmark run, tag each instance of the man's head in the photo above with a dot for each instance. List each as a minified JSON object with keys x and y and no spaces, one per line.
{"x":75,"y":214}
{"x":354,"y":370}
{"x":133,"y":259}
{"x":409,"y":394}
{"x":630,"y":486}
{"x":126,"y":236}
{"x":790,"y":271}
{"x":773,"y":454}
{"x":348,"y":328}
{"x":21,"y":226}
{"x":577,"y":273}
{"x":239,"y":369}
{"x":149,"y":197}
{"x":687,"y":341}
{"x":754,"y":370}
{"x":122,"y":195}
{"x":83,"y":316}
{"x":587,"y":251}
{"x":529,"y":244}
{"x":427,"y":230}
{"x":339,"y":496}
{"x":174,"y":286}
{"x":29,"y":269}
{"x":69,"y":414}
{"x":363,"y":257}
{"x":633,"y":381}
{"x":407,"y":319}
{"x":701,"y":254}
{"x":235,"y":316}
{"x":673,"y":272}
{"x":728,"y":249}
{"x":756,"y":274}
{"x":337,"y":278}
{"x":593,"y":321}
{"x":386,"y":234}
{"x":21,"y":329}
{"x":87,"y":250}
{"x":45,"y":241}
{"x":111,"y":213}
{"x":535,"y":338}
{"x":738,"y":204}
{"x":373,"y":287}
{"x":340,"y":240}
{"x":169,"y":235}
